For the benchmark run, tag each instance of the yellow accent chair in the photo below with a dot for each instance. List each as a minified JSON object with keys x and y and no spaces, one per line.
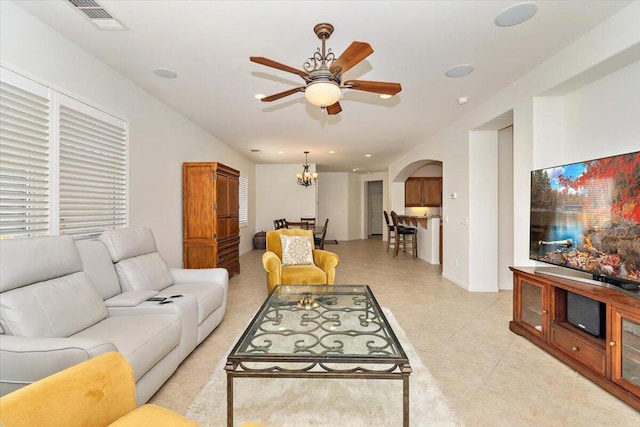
{"x":98,"y":392}
{"x":322,"y":270}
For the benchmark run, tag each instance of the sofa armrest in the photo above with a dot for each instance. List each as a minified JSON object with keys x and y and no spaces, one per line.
{"x":25,"y":360}
{"x":94,"y":393}
{"x":98,"y":392}
{"x":273,"y":266}
{"x":327,"y":261}
{"x":191,"y":275}
{"x":129,"y":299}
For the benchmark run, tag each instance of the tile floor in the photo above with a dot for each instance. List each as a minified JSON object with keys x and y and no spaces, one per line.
{"x":491,"y":376}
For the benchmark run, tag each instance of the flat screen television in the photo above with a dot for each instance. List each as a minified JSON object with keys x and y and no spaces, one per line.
{"x":586,"y":216}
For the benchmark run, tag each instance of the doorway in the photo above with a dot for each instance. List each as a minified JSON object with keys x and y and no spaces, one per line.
{"x":374,"y":208}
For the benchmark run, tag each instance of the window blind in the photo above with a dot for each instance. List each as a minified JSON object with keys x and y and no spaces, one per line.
{"x":63,"y":163}
{"x":244,"y":201}
{"x":93,"y":167}
{"x":25,"y":161}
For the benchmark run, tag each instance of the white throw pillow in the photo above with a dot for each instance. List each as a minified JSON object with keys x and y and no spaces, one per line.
{"x":296,"y":250}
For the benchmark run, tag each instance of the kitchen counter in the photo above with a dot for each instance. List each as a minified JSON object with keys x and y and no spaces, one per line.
{"x":414,"y":220}
{"x":428,"y":235}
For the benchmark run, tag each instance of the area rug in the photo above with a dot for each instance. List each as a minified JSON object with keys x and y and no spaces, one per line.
{"x":326,"y":402}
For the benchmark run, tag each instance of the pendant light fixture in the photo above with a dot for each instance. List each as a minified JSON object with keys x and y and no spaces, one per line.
{"x":306,"y":178}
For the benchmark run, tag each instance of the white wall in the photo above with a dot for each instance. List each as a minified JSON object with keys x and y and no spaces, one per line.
{"x":278,"y":194}
{"x":548,"y":128}
{"x":603,"y":118}
{"x":599,"y":53}
{"x":160,"y":138}
{"x":333,"y":203}
{"x":505,"y":207}
{"x":429,"y":170}
{"x":338,"y":198}
{"x":483,"y":210}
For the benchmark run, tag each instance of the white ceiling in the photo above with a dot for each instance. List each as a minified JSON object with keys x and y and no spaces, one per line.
{"x":208,"y":43}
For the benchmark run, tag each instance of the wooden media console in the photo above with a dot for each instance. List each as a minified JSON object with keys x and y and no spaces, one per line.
{"x":612,"y":360}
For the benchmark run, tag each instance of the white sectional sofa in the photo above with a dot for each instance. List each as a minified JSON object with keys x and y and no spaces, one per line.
{"x":63,"y":302}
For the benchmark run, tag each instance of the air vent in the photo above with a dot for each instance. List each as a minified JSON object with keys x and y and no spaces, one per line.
{"x":97,"y":14}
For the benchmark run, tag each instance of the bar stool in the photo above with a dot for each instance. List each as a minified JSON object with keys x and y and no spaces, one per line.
{"x":408,"y":235}
{"x":391,"y":235}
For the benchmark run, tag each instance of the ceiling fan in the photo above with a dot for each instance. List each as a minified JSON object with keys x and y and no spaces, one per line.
{"x":323,"y":72}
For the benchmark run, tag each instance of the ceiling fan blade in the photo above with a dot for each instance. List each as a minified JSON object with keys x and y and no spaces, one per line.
{"x":355,"y":53}
{"x":334,"y":109}
{"x":383,"y":88}
{"x":283,"y":94}
{"x":271,"y":63}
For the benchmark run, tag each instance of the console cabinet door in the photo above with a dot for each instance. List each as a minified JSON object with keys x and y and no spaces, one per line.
{"x":625,"y":349}
{"x":531,"y":306}
{"x":199,"y":215}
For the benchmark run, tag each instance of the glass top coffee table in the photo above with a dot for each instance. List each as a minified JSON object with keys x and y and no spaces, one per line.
{"x":316,"y":331}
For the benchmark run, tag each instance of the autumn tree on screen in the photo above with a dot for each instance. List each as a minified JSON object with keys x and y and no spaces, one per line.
{"x":621,"y":174}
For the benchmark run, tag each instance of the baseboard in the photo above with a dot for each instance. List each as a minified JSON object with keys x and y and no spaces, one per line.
{"x":456,"y":281}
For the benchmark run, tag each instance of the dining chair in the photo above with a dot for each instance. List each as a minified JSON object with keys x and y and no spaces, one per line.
{"x":318,"y":240}
{"x":311,"y":221}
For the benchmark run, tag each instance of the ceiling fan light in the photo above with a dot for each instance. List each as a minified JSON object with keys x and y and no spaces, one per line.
{"x":323,"y":93}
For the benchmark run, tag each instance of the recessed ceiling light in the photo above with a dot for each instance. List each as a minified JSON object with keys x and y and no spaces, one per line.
{"x":165,"y":73}
{"x":459,"y":70}
{"x":385,"y":96}
{"x":356,"y":169}
{"x":367,"y":155}
{"x":280,"y":152}
{"x":463,"y":100}
{"x":516,"y":14}
{"x":259,"y":96}
{"x":332,"y":152}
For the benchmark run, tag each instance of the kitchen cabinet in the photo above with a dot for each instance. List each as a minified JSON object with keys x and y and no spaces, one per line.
{"x":423,"y":192}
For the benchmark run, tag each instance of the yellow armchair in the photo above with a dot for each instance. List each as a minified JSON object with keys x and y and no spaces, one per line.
{"x":321,"y":272}
{"x":98,"y":392}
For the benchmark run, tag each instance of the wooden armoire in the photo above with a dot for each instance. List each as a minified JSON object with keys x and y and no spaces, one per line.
{"x":210,"y":216}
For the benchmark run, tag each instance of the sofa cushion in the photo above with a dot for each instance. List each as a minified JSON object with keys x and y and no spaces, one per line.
{"x":125,"y":243}
{"x":303,"y":275}
{"x":144,"y":272}
{"x":209,"y":296}
{"x":56,"y":256}
{"x":53,"y":308}
{"x":143,"y":339}
{"x":96,"y":262}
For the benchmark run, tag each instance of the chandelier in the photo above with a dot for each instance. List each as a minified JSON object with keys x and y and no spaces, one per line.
{"x":306,"y":178}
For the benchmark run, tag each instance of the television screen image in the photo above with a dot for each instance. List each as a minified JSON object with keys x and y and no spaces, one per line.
{"x":586,"y":216}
